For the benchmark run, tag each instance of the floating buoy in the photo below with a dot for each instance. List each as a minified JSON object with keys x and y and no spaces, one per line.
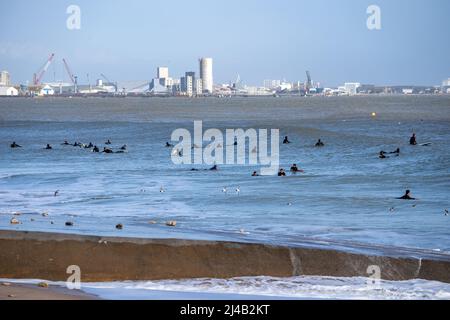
{"x":14,"y":221}
{"x":374,"y":114}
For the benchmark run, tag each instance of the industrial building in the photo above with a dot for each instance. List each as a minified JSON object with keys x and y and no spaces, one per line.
{"x":8,"y":91}
{"x":351,"y":88}
{"x":206,"y":74}
{"x":5,"y":79}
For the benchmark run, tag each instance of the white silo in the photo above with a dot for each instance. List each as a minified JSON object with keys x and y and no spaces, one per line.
{"x":206,"y":74}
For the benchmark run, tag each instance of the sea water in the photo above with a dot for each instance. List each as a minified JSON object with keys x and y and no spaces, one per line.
{"x":346,"y":197}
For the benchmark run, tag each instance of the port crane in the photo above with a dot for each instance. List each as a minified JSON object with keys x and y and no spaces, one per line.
{"x":107,"y":80}
{"x":37,"y":77}
{"x":72,"y":77}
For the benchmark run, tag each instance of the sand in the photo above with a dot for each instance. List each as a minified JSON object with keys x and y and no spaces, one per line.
{"x":10,"y":291}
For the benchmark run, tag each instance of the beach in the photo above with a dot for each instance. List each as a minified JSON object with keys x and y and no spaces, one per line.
{"x":11,"y":291}
{"x":31,"y":255}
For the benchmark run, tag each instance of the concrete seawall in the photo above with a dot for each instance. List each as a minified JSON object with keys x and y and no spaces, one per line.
{"x":31,"y":255}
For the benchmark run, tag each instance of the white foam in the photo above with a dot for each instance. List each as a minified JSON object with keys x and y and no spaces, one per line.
{"x":271,"y":288}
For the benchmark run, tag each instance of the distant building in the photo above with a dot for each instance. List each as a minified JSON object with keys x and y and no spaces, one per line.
{"x":206,"y":74}
{"x":198,"y":87}
{"x":188,"y":83}
{"x":351,"y":88}
{"x":157,"y":86}
{"x":162,"y":73}
{"x":407,"y":91}
{"x":8,"y":91}
{"x":272,"y":84}
{"x":47,"y":90}
{"x":5,"y":78}
{"x":446,"y":83}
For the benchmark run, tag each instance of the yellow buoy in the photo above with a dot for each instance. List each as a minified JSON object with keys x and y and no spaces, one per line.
{"x":374,"y":114}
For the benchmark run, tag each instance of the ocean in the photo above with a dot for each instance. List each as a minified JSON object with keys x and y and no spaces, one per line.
{"x":345,"y":199}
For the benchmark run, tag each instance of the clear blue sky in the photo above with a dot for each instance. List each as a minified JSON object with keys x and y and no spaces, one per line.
{"x":258,"y":39}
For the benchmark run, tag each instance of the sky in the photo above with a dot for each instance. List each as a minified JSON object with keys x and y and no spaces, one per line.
{"x":257,"y":39}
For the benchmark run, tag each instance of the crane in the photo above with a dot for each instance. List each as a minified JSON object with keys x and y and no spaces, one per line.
{"x":107,"y":80}
{"x":69,"y":72}
{"x":73,"y":78}
{"x":37,"y":77}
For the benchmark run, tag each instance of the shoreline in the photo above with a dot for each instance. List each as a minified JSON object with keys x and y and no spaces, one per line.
{"x":18,"y":291}
{"x":35,"y":255}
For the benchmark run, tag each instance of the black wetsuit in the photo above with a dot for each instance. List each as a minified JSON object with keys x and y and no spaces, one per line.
{"x":406,"y":197}
{"x":15,"y":145}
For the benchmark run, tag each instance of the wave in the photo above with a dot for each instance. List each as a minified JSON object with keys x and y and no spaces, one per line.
{"x":307,"y":287}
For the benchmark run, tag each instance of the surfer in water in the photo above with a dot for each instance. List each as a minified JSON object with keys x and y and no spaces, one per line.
{"x":96,"y":149}
{"x":107,"y":150}
{"x":282,"y":173}
{"x":383,"y":155}
{"x":15,"y":145}
{"x":295,"y":169}
{"x":320,"y":143}
{"x":169,"y":145}
{"x":108,"y":142}
{"x":413,"y":140}
{"x":286,"y":140}
{"x":255,"y":174}
{"x":407,"y":196}
{"x":65,"y":143}
{"x":48,"y":147}
{"x":214,"y":168}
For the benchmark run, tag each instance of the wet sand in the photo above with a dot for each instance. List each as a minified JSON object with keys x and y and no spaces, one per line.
{"x":12,"y":291}
{"x":33,"y":255}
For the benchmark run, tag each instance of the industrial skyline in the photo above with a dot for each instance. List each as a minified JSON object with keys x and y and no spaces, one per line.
{"x":125,"y":40}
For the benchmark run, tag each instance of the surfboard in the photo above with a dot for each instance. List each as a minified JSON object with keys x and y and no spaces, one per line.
{"x":426,"y":144}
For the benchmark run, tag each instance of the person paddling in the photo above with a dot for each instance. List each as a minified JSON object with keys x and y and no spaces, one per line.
{"x":407,"y":196}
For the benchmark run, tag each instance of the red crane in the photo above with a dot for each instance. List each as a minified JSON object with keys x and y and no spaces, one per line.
{"x":69,"y":72}
{"x":37,"y":77}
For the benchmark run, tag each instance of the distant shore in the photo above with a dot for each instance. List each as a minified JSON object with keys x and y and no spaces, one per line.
{"x":34,"y":255}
